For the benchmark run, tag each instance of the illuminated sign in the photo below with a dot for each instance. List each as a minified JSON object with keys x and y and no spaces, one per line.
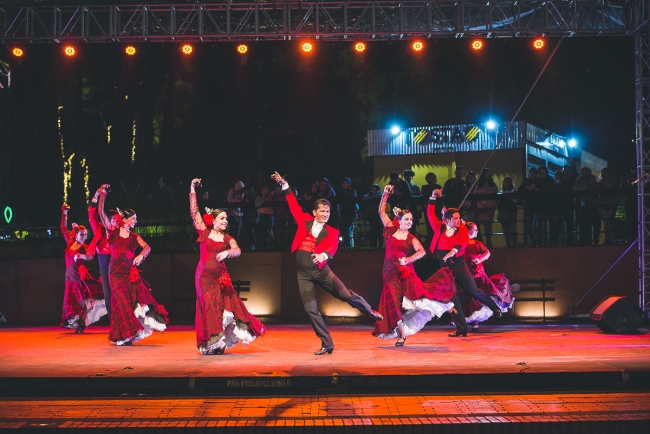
{"x":9,"y":214}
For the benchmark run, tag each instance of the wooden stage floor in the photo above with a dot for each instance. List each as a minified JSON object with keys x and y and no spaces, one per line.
{"x":50,"y":361}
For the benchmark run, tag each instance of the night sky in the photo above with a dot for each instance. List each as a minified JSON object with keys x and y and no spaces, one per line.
{"x":221,"y":117}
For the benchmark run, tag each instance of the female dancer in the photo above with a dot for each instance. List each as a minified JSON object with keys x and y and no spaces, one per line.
{"x":83,"y":299}
{"x":222,"y":320}
{"x":135,"y":314}
{"x":497,"y":286}
{"x":449,"y":242}
{"x":403,"y":289}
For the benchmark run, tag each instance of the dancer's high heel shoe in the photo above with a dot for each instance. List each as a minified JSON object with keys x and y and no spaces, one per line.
{"x":376,"y":315}
{"x":475,"y":327}
{"x":79,"y":330}
{"x":457,"y":334}
{"x":400,"y":342}
{"x":323,"y":351}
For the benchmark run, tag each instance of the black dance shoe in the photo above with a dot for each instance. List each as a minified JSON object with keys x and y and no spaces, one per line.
{"x":216,"y":352}
{"x":376,"y":315}
{"x":457,"y":334}
{"x":497,"y":313}
{"x":125,"y":344}
{"x":400,"y":342}
{"x":323,"y":351}
{"x":475,"y":327}
{"x":79,"y":330}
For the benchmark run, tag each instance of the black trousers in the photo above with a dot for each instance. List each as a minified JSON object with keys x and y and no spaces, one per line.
{"x":465,"y":279}
{"x":308,"y":276}
{"x":104,"y":261}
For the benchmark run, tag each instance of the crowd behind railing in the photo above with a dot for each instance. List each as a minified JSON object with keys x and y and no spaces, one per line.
{"x":544,"y":210}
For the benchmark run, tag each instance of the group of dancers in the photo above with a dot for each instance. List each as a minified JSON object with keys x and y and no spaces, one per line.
{"x":222,"y":320}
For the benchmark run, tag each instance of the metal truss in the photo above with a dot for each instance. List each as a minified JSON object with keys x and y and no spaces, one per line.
{"x":329,"y":20}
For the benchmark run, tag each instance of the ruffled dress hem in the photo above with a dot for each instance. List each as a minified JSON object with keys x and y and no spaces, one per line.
{"x":417,"y":313}
{"x":233,"y":333}
{"x":148,"y":322}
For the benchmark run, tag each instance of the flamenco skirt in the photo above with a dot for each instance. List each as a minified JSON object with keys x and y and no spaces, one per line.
{"x":83,"y":303}
{"x":222,"y":319}
{"x":135,"y":314}
{"x":498,"y":288}
{"x":413,"y":303}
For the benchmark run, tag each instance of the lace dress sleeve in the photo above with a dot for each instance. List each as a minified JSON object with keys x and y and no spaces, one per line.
{"x":234,"y":251}
{"x":199,"y":224}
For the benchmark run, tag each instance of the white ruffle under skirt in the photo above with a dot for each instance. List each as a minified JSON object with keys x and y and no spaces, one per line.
{"x":148,"y":323}
{"x":485,"y":312}
{"x":232,"y":334}
{"x":416,"y":314}
{"x":95,"y":309}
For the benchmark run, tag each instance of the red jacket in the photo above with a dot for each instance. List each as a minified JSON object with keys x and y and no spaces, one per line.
{"x":438,"y":227}
{"x":328,"y":238}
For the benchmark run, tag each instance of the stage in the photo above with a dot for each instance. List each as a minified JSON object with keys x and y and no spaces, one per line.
{"x":50,"y":361}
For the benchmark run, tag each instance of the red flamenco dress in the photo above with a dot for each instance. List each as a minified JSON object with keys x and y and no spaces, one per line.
{"x":83,"y":299}
{"x":135,"y":314}
{"x":496,"y":286}
{"x":405,"y":298}
{"x":222,"y":319}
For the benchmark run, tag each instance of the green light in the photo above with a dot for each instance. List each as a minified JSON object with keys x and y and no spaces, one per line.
{"x":9,"y":214}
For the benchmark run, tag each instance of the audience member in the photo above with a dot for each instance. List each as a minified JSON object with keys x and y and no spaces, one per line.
{"x":348,"y":208}
{"x":425,"y":194}
{"x":310,"y":196}
{"x":589,"y":217}
{"x":454,"y":190}
{"x":485,"y":208}
{"x":468,"y":208}
{"x":401,"y":197}
{"x":237,"y":194}
{"x":529,"y":190}
{"x":325,"y":191}
{"x":265,"y":220}
{"x":608,"y":202}
{"x":507,"y":206}
{"x":408,"y":175}
{"x":545,"y":185}
{"x":371,"y":201}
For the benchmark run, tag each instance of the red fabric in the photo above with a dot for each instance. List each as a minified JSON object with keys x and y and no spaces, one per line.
{"x":215,"y":293}
{"x":208,"y":219}
{"x":99,"y":242}
{"x":439,"y":287}
{"x":125,"y":293}
{"x":475,"y":249}
{"x":308,"y":244}
{"x":79,"y":286}
{"x":461,"y":235}
{"x":328,"y":244}
{"x":134,"y":275}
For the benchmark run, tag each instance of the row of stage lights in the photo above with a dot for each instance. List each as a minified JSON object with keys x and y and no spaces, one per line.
{"x":305,"y":47}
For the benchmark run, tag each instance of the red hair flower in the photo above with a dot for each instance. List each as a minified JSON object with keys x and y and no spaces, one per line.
{"x":83,"y":272}
{"x":404,"y":271}
{"x":208,"y":219}
{"x":134,"y":275}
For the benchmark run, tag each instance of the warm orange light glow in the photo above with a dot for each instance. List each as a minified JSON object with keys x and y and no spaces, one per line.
{"x":69,"y":51}
{"x":538,"y":44}
{"x":418,"y":46}
{"x":187,"y":49}
{"x":242,"y":49}
{"x":360,"y":47}
{"x":130,"y":50}
{"x":307,"y":47}
{"x":17,"y":52}
{"x":477,"y":44}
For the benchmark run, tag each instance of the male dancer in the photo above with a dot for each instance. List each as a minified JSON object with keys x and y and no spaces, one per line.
{"x":316,"y":243}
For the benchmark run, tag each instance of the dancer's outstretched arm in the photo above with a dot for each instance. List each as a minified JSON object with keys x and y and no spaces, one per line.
{"x":296,"y":210}
{"x":233,"y":252}
{"x":199,"y":225}
{"x":64,"y":223}
{"x":102,"y":215}
{"x":419,"y":253}
{"x":382,"y":206}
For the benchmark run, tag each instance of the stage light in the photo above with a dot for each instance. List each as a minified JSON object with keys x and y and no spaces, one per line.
{"x":418,"y":46}
{"x":395,"y":130}
{"x":130,"y":50}
{"x":360,"y":47}
{"x":17,"y":52}
{"x":477,"y":44}
{"x":307,"y":47}
{"x":242,"y":48}
{"x":69,"y":51}
{"x":491,"y":125}
{"x":187,"y":49}
{"x":538,"y":44}
{"x":573,"y":143}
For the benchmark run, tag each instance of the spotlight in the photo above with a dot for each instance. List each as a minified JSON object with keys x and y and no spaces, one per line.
{"x":418,"y":46}
{"x":307,"y":47}
{"x":130,"y":50}
{"x":242,"y":48}
{"x":477,"y":44}
{"x":69,"y":51}
{"x":395,"y":130}
{"x":491,"y":124}
{"x":573,"y":143}
{"x":187,"y":49}
{"x":17,"y":52}
{"x":538,"y":44}
{"x":360,"y":47}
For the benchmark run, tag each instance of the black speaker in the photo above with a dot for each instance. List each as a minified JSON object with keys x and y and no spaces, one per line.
{"x":615,"y":314}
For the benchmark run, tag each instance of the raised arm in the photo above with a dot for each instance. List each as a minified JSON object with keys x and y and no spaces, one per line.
{"x":382,"y":207}
{"x":431,"y":208}
{"x":294,"y":207}
{"x":92,"y":213}
{"x":144,"y":253}
{"x":64,"y":223}
{"x":199,"y":225}
{"x":102,"y":198}
{"x":233,"y":252}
